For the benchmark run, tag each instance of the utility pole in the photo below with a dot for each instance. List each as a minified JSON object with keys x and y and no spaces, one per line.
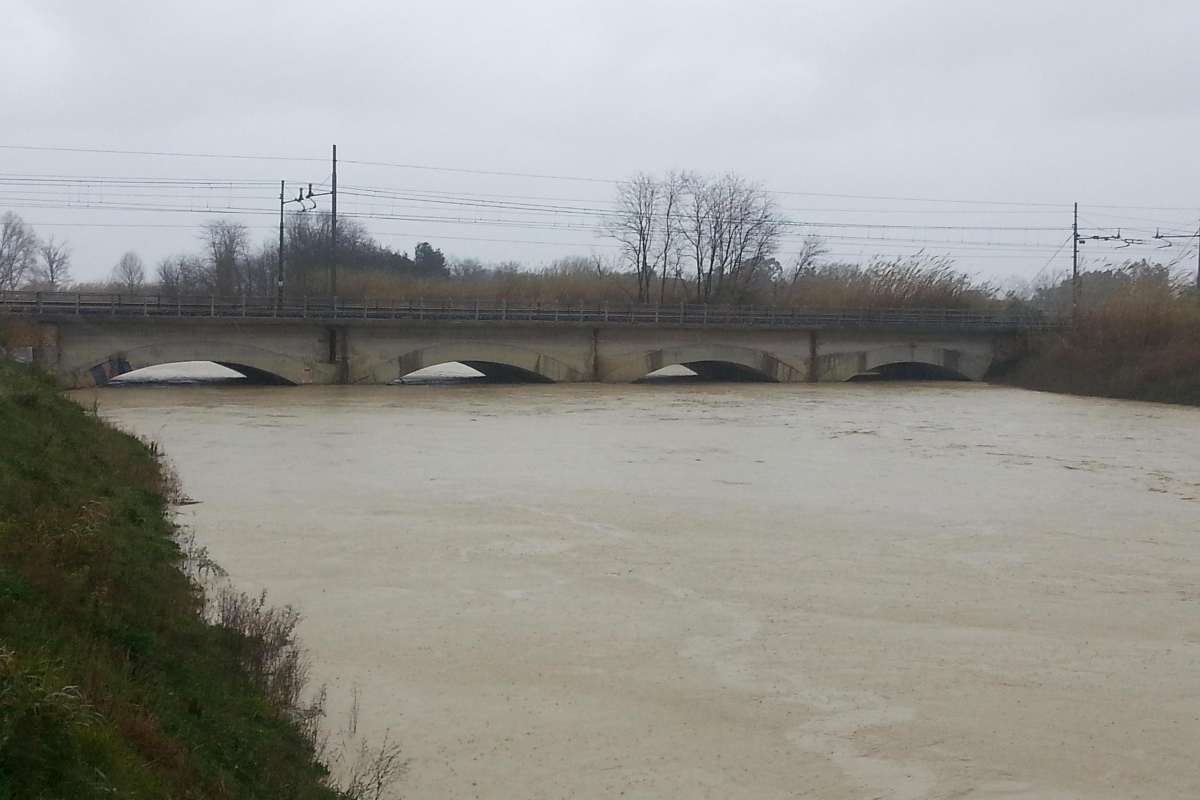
{"x":333,"y":231}
{"x":279,"y":262}
{"x":1075,"y":266}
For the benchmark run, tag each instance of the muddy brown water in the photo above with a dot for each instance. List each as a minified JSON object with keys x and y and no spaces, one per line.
{"x":744,"y":590}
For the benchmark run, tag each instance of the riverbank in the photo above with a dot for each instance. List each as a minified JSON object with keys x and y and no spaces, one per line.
{"x":1149,"y":352}
{"x":112,"y":684}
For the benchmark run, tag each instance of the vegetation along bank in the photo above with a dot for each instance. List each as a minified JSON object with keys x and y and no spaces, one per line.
{"x":114,"y":680}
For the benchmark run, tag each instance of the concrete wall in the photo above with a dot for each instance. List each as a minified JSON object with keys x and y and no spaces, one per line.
{"x":90,"y":352}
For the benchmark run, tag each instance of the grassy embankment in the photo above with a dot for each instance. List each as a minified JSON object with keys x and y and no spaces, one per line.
{"x":112,"y":682}
{"x":1141,"y":344}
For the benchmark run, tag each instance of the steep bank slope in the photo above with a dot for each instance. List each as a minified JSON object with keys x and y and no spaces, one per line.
{"x":111,"y":682}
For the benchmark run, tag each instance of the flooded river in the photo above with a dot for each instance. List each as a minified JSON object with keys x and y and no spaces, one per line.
{"x":722,"y":591}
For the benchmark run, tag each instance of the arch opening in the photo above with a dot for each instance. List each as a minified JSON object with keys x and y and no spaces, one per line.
{"x":899,"y":371}
{"x":706,"y":371}
{"x":471,"y":372}
{"x":186,"y":373}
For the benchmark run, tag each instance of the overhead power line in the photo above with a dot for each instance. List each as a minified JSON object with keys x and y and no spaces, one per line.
{"x":155,"y":153}
{"x":550,"y":176}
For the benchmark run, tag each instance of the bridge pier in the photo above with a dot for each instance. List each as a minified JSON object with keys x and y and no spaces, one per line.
{"x":339,"y":353}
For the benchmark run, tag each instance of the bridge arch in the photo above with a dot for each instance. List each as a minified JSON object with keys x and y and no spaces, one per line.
{"x":259,"y":364}
{"x":715,"y":361}
{"x":906,"y":361}
{"x":493,"y":359}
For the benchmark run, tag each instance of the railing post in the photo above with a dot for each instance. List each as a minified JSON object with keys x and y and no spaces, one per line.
{"x":179,"y":305}
{"x":705,"y":321}
{"x":503,"y":310}
{"x":304,"y":308}
{"x":606,"y":311}
{"x":364,"y":308}
{"x":38,"y":300}
{"x":477,"y":309}
{"x":420,"y":308}
{"x":212,"y":305}
{"x":116,"y":299}
{"x":243,"y":304}
{"x":77,"y":304}
{"x":145,"y":306}
{"x":656,"y":312}
{"x":335,"y":310}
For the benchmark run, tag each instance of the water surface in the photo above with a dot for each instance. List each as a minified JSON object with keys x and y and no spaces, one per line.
{"x":752,"y":591}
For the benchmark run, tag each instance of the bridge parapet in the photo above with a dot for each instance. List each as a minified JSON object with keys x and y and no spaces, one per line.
{"x":65,"y":305}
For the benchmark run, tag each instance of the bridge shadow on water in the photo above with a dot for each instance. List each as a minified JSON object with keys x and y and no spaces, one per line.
{"x":909,"y":371}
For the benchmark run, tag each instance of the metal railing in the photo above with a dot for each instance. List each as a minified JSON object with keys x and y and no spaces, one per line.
{"x":98,"y":305}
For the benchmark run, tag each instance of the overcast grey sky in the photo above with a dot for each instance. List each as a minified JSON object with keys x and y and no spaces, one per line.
{"x":1026,"y":102}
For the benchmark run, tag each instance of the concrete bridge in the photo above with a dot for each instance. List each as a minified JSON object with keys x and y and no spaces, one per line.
{"x":86,"y":339}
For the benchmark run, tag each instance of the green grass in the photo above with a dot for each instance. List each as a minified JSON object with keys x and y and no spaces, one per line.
{"x":112,"y":684}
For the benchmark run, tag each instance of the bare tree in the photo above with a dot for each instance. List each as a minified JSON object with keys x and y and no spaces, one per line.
{"x":53,"y":270}
{"x":129,"y":274}
{"x":18,"y":250}
{"x":806,"y":260}
{"x":694,"y":225}
{"x":646,"y":224}
{"x":731,"y":228}
{"x":467,"y":269}
{"x":669,"y":250}
{"x":227,"y":244}
{"x":183,"y":275}
{"x":634,"y":226}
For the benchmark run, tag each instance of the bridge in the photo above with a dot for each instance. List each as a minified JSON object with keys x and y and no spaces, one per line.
{"x":87,"y":339}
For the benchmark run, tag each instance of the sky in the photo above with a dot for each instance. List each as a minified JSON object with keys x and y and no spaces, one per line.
{"x":964,"y":128}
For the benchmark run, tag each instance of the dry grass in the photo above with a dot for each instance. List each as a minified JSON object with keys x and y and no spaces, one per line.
{"x":1142,"y":342}
{"x":267,"y":647}
{"x":548,"y":287}
{"x":917,"y":282}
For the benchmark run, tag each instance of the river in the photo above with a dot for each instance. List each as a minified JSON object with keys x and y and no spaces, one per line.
{"x":716,"y":591}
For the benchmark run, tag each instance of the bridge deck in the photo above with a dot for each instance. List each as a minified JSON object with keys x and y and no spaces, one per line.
{"x":158,"y":307}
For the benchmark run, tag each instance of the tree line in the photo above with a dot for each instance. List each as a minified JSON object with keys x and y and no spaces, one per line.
{"x":227,"y":262}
